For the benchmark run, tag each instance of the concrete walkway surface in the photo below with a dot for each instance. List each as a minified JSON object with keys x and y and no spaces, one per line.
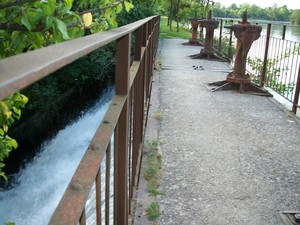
{"x":228,"y":158}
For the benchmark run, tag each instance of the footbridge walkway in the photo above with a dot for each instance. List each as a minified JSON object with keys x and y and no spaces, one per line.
{"x":228,"y":158}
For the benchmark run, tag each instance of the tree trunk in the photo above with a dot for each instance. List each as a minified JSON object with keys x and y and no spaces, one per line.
{"x":171,"y":14}
{"x":177,"y":14}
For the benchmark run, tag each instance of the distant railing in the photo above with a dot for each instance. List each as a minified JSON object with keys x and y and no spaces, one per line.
{"x":124,"y":121}
{"x":273,"y":61}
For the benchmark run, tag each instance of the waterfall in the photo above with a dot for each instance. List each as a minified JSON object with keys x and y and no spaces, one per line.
{"x":40,"y":185}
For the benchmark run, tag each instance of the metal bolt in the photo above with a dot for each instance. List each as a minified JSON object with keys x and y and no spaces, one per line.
{"x":76,"y":186}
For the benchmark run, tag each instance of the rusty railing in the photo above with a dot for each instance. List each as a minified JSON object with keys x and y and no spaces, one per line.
{"x":123,"y":122}
{"x":273,"y":61}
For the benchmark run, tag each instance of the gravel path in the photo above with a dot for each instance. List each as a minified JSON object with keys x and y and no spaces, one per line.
{"x":228,"y":158}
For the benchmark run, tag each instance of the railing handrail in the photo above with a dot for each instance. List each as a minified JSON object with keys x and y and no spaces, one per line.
{"x":277,"y":23}
{"x":124,"y":120}
{"x":37,"y":64}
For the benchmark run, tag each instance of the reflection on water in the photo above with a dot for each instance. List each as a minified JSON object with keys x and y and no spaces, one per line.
{"x":292,"y":33}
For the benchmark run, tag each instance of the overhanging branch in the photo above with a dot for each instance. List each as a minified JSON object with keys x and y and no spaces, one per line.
{"x":15,"y":3}
{"x":10,"y":27}
{"x":101,"y":9}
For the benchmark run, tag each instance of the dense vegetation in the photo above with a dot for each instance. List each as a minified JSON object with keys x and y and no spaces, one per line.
{"x":273,"y":13}
{"x":295,"y":17}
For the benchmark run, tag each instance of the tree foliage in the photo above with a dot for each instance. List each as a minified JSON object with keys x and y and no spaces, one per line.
{"x":273,"y":13}
{"x":31,"y":24}
{"x":182,"y":10}
{"x":10,"y":111}
{"x":295,"y":17}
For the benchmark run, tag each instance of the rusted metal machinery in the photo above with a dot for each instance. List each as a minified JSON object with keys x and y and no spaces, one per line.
{"x":246,"y":34}
{"x":210,"y":25}
{"x":194,"y":40}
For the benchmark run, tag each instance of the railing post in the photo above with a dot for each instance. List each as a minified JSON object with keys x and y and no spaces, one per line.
{"x":138,"y":108}
{"x":138,"y":44}
{"x":230,"y":46}
{"x":148,"y":62}
{"x":220,"y":36}
{"x":121,"y":132}
{"x":283,"y":32}
{"x":297,"y":93}
{"x":264,"y":69}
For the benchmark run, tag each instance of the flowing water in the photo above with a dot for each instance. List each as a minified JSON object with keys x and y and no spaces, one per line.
{"x":40,"y":185}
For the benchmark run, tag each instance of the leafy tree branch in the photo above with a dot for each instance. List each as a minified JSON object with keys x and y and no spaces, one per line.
{"x":15,"y":3}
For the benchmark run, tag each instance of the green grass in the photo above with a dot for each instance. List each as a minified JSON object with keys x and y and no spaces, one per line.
{"x":153,"y":211}
{"x":153,"y":171}
{"x":152,"y":175}
{"x":165,"y":32}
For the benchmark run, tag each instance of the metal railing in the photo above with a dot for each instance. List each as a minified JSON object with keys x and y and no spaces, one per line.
{"x":273,"y":61}
{"x":124,"y":121}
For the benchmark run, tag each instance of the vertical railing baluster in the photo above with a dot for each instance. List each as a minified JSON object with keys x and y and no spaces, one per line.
{"x":136,"y":96}
{"x":289,"y":63}
{"x":283,"y":32}
{"x":138,"y":44}
{"x":130,"y":144}
{"x":291,"y":80}
{"x":98,"y":198}
{"x":134,"y":151}
{"x":107,"y":185}
{"x":145,"y":34}
{"x":264,"y":69}
{"x":297,"y":93}
{"x":82,"y":220}
{"x":220,"y":36}
{"x":230,"y":46}
{"x":148,"y":59}
{"x":121,"y":132}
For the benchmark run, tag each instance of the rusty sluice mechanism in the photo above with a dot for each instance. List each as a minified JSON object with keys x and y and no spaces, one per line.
{"x":194,"y":40}
{"x":246,"y":34}
{"x":210,"y":25}
{"x":290,"y":217}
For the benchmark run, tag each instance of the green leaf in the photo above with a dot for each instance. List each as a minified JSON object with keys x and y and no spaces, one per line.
{"x":24,"y":99}
{"x":128,"y":6}
{"x":19,"y":40}
{"x":37,"y":43}
{"x":13,"y":143}
{"x":18,"y":112}
{"x":68,"y":3}
{"x":49,"y":23}
{"x":46,"y":10}
{"x":9,"y":223}
{"x":25,"y":22}
{"x":76,"y":32}
{"x":119,"y":8}
{"x":61,"y":26}
{"x":51,"y":4}
{"x":6,"y":179}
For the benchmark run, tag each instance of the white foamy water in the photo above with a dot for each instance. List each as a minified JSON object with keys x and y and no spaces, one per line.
{"x":41,"y":184}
